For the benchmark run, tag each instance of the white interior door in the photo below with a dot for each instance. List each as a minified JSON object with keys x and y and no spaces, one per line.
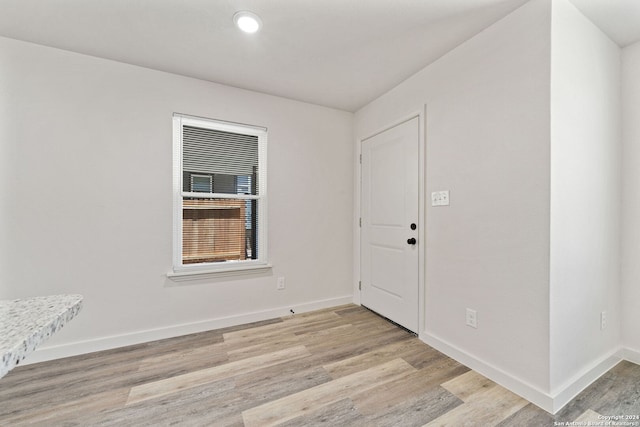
{"x":390,"y":205}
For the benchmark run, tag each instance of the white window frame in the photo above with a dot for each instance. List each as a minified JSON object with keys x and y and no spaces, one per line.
{"x":201,"y":270}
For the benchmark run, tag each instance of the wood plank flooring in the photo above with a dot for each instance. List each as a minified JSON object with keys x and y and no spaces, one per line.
{"x":344,"y":366}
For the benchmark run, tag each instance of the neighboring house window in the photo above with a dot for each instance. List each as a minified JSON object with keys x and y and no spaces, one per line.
{"x":219,"y":195}
{"x":201,"y":183}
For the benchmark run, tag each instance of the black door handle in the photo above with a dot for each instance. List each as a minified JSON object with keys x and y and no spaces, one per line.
{"x":411,"y":241}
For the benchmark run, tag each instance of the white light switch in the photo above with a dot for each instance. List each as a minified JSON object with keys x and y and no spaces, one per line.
{"x":440,"y":198}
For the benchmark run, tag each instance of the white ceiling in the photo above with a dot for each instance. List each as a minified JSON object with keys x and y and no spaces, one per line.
{"x":337,"y":53}
{"x":619,"y":19}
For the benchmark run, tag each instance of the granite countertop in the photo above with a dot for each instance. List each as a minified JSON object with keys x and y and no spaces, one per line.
{"x":27,"y":323}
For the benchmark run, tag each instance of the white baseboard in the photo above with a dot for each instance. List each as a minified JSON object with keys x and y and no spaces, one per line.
{"x":106,"y":343}
{"x":565,"y":393}
{"x":631,"y":355}
{"x":550,"y":402}
{"x":519,"y":387}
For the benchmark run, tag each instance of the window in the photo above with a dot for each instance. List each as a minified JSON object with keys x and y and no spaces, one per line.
{"x":219,"y":196}
{"x":201,"y":183}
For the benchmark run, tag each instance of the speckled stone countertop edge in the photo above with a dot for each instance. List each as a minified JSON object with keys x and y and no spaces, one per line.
{"x":27,"y":323}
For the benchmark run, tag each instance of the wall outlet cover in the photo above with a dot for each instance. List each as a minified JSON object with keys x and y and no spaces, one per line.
{"x":472,"y":318}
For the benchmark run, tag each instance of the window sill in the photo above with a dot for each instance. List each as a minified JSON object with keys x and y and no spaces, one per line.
{"x":187,"y":275}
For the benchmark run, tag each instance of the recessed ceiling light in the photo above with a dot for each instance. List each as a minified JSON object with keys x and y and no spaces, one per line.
{"x":248,"y":22}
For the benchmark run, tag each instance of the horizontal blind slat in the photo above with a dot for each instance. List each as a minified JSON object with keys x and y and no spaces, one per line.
{"x":217,"y":152}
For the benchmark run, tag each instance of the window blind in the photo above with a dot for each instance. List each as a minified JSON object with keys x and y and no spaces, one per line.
{"x":210,"y":151}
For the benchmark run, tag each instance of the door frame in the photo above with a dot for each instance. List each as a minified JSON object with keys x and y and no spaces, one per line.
{"x":422,"y":219}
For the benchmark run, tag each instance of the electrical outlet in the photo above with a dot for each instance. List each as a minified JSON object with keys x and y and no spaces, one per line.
{"x":603,"y":320}
{"x":472,"y":318}
{"x":280,"y":284}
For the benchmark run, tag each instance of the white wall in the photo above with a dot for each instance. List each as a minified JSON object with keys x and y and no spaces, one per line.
{"x":631,"y":200}
{"x":585,"y":195}
{"x":487,"y":132}
{"x":86,"y":201}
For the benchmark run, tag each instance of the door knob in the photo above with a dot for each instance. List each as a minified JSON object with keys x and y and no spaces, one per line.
{"x":411,"y":241}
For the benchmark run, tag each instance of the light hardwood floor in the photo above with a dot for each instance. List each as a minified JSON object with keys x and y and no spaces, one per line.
{"x":344,"y":366}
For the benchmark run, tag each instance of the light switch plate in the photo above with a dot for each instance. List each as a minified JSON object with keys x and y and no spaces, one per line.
{"x":440,"y":198}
